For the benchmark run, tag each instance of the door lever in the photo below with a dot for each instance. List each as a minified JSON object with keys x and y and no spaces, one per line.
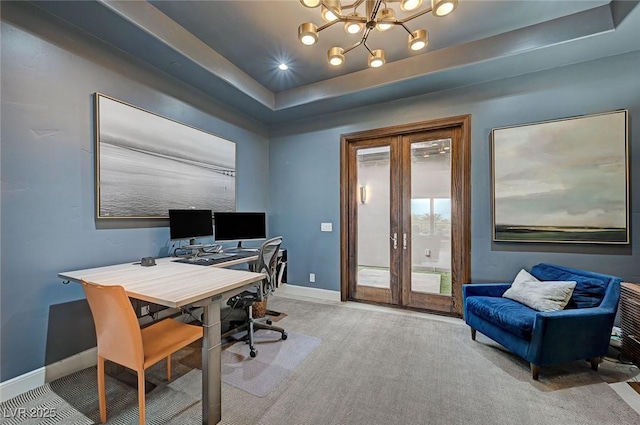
{"x":404,"y":241}
{"x":394,"y":238}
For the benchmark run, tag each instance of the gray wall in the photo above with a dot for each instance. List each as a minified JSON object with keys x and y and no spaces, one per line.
{"x":49,"y":75}
{"x":305,"y":161}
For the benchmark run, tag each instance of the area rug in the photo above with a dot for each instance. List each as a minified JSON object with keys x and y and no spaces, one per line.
{"x":275,"y":360}
{"x":40,"y":406}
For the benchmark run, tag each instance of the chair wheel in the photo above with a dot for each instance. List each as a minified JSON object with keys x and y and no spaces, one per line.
{"x":253,"y":353}
{"x":284,"y":335}
{"x":269,"y":322}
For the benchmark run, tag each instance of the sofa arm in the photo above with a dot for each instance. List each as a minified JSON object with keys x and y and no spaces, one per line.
{"x":484,"y":289}
{"x":568,"y":335}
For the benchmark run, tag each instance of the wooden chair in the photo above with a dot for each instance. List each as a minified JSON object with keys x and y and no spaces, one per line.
{"x":121,"y":340}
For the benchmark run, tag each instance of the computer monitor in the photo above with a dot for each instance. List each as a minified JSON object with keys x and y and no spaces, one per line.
{"x":239,"y":226}
{"x":190,"y":224}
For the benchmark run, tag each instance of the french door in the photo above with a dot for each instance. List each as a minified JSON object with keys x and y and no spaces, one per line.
{"x":405,"y":224}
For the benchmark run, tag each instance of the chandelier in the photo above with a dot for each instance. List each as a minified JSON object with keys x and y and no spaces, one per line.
{"x":377,"y":17}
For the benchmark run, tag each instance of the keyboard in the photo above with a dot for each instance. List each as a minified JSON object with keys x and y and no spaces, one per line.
{"x":217,"y":256}
{"x":211,"y":259}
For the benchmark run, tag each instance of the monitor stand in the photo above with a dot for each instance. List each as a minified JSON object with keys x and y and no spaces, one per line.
{"x":193,"y":245}
{"x":236,"y":248}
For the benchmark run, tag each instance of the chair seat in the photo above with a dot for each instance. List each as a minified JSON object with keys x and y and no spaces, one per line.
{"x":507,"y":314}
{"x":166,"y":337}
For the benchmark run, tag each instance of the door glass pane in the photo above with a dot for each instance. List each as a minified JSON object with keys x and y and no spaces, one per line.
{"x":373,"y":171}
{"x":431,"y":216}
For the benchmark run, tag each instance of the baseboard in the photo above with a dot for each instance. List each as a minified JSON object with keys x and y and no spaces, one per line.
{"x":36,"y":378}
{"x":31,"y":380}
{"x":71,"y":364}
{"x":288,"y":290}
{"x":20,"y":384}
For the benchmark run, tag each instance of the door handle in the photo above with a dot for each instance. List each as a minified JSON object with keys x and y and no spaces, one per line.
{"x":404,"y":241}
{"x":394,"y":238}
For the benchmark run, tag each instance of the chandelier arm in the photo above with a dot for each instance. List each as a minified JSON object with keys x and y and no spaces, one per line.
{"x":375,"y":8}
{"x":405,"y":27}
{"x":341,"y":19}
{"x":365,"y":35}
{"x":414,"y":16}
{"x":327,"y":25}
{"x":353,"y":5}
{"x":348,"y":49}
{"x":365,"y":45}
{"x":361,"y":19}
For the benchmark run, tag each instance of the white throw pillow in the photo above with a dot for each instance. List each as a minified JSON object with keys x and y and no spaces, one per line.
{"x":542,"y":296}
{"x":523,"y":276}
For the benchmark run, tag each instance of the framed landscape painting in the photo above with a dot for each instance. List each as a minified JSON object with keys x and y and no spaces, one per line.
{"x":562,"y":181}
{"x":147,"y":164}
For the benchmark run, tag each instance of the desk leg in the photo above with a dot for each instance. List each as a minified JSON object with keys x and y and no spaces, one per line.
{"x":211,"y":359}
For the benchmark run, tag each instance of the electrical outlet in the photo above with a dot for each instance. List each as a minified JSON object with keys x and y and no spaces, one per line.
{"x":312,"y":277}
{"x":144,"y":310}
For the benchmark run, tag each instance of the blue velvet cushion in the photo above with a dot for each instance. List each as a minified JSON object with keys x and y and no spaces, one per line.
{"x":509,"y":315}
{"x":589,"y":291}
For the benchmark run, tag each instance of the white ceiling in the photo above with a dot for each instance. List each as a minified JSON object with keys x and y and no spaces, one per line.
{"x":231,"y":49}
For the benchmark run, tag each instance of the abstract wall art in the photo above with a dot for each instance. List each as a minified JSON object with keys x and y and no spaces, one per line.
{"x":563,"y":181}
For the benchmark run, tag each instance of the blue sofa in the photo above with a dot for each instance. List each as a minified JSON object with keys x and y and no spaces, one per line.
{"x":581,"y":331}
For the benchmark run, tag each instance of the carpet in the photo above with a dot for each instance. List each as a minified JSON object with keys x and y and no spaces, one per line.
{"x":162,"y":404}
{"x":260,"y":375}
{"x":40,"y":406}
{"x":376,"y":367}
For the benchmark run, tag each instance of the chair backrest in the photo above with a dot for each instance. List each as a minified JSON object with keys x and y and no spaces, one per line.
{"x":117,"y":328}
{"x":267,"y":263}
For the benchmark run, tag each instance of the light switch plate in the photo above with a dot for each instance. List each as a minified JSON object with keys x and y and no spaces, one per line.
{"x":326,"y":227}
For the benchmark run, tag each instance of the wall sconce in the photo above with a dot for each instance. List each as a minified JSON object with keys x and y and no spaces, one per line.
{"x":363,"y":194}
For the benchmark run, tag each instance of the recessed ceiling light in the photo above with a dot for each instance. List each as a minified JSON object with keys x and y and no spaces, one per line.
{"x":283,"y":67}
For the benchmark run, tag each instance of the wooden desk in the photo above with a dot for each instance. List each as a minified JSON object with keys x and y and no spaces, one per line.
{"x":177,"y":285}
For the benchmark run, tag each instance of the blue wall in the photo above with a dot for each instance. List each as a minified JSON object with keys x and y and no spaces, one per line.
{"x":305,"y":161}
{"x":49,"y":75}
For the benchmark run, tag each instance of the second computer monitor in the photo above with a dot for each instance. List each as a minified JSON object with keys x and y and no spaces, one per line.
{"x":239,"y":226}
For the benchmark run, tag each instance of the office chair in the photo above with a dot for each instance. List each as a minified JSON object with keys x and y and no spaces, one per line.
{"x":121,"y":340}
{"x":267,"y":263}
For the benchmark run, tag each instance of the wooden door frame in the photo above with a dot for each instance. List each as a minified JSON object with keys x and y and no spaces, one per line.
{"x":460,"y":213}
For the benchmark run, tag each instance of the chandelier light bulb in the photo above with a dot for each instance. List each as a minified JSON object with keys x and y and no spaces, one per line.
{"x":385,"y":18}
{"x":443,"y":7}
{"x":335,"y":55}
{"x":418,"y":40}
{"x":308,"y":34}
{"x":377,"y":58}
{"x":408,"y":5}
{"x":353,"y":27}
{"x":327,"y":13}
{"x":311,"y":3}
